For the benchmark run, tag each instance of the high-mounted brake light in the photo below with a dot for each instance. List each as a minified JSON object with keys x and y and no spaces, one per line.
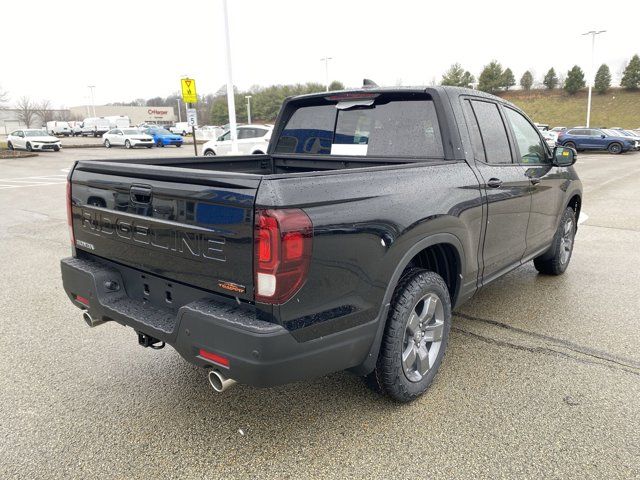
{"x":352,"y":96}
{"x":282,"y":253}
{"x":70,"y":214}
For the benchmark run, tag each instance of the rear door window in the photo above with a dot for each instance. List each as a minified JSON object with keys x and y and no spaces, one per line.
{"x":382,"y":128}
{"x":493,"y":132}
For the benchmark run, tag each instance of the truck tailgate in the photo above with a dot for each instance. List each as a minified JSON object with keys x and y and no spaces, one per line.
{"x":197,"y":231}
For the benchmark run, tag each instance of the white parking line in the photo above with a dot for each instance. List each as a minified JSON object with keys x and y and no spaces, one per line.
{"x":6,"y":187}
{"x":54,"y":176}
{"x":583,"y":218}
{"x":35,"y":181}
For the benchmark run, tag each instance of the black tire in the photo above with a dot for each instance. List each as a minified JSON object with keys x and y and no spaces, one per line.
{"x":209,"y":153}
{"x":95,"y":134}
{"x":178,"y":145}
{"x":159,"y":143}
{"x":29,"y":147}
{"x":107,"y":143}
{"x":570,"y":145}
{"x":56,"y":148}
{"x":10,"y":145}
{"x":615,"y":148}
{"x":556,"y":260}
{"x":258,"y":152}
{"x":390,"y":376}
{"x":127,"y":144}
{"x":184,"y":134}
{"x":149,"y":146}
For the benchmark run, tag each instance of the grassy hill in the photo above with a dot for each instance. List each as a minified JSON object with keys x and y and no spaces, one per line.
{"x":617,"y":108}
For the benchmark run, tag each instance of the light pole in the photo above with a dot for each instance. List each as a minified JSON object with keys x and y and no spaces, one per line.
{"x":93,"y":102}
{"x":326,"y":71}
{"x":593,"y":34}
{"x":179,"y":115}
{"x":248,"y":97}
{"x":231,"y":102}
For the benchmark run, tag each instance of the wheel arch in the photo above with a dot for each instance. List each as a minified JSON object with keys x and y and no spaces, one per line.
{"x":442,"y":250}
{"x":575,"y":202}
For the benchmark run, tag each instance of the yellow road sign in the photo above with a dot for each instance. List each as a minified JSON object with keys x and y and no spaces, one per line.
{"x":189,"y":94}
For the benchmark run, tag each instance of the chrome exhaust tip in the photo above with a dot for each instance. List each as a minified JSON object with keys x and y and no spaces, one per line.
{"x":219,"y":382}
{"x":89,"y":320}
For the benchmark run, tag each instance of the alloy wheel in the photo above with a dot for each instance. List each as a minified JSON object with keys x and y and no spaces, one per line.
{"x":422,"y":337}
{"x":566,"y":241}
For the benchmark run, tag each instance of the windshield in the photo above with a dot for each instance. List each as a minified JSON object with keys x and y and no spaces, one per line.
{"x":399,"y":127}
{"x":35,"y":133}
{"x":131,"y":132}
{"x":162,"y":131}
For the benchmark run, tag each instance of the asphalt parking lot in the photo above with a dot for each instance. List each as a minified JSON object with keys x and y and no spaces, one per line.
{"x":541,"y":377}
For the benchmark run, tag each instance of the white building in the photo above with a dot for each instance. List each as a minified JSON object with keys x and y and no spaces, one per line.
{"x":159,"y":115}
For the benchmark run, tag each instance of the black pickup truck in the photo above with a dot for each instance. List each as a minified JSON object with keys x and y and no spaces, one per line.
{"x":374,"y":213}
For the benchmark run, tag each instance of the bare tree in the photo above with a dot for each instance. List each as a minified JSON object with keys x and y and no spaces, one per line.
{"x":26,"y":111}
{"x":43,"y":111}
{"x":62,"y":115}
{"x":4,"y":96}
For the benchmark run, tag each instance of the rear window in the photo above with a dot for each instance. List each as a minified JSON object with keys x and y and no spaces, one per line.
{"x":385,"y":128}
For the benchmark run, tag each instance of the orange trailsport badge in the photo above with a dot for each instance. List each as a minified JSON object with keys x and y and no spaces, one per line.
{"x":232,"y":287}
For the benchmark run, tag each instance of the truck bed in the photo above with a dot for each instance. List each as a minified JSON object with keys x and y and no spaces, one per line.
{"x":248,"y":164}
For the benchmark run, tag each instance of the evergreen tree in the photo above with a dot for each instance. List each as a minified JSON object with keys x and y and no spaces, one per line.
{"x":631,"y":75}
{"x":550,"y":79}
{"x":508,"y":80}
{"x":457,"y":76}
{"x":575,"y":80}
{"x":526,"y":82}
{"x":491,"y":79}
{"x":603,"y":79}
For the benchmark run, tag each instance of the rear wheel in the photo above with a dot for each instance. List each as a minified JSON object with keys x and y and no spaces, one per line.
{"x":556,"y":260}
{"x":615,"y":148}
{"x":10,"y":145}
{"x":415,"y":337}
{"x":570,"y":145}
{"x":209,"y":153}
{"x":127,"y":144}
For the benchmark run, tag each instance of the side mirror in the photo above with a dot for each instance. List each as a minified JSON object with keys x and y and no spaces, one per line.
{"x":220,"y":139}
{"x":603,"y":136}
{"x":564,"y":156}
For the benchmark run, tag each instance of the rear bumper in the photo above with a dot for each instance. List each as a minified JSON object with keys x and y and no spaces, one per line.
{"x":260,"y":353}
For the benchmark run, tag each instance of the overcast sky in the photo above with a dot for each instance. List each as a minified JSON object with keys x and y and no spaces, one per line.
{"x":140,"y":49}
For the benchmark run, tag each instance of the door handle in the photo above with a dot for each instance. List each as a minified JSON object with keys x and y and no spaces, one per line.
{"x":534,"y":181}
{"x":494,"y":183}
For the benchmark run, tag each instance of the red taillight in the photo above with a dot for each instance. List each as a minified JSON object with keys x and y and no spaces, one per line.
{"x":282,"y":254}
{"x":214,"y":357}
{"x":70,"y":214}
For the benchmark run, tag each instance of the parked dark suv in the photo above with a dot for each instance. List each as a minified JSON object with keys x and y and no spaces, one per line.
{"x":596,"y":139}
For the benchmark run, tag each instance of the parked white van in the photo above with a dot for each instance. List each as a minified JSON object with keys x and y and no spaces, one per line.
{"x":76,"y":128}
{"x":96,"y":126}
{"x":58,"y":128}
{"x":181,"y":128}
{"x":119,"y":121}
